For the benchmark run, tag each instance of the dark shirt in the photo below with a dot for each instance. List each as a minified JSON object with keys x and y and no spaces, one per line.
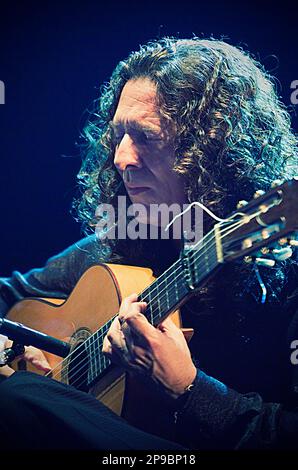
{"x":252,"y":403}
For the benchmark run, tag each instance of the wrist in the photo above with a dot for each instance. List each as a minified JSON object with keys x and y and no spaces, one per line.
{"x":187,"y":392}
{"x":188,"y":385}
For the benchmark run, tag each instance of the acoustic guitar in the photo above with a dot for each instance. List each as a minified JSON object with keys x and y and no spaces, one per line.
{"x":260,"y":232}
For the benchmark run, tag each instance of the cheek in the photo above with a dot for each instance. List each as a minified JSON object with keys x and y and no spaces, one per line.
{"x":160,"y":163}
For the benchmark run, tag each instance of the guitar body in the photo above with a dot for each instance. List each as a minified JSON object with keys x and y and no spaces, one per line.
{"x":95,"y":300}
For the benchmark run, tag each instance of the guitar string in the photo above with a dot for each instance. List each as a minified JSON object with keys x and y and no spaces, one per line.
{"x":209,"y":235}
{"x":97,"y":340}
{"x":160,"y":295}
{"x":98,"y":343}
{"x":102,"y":362}
{"x":141,"y":295}
{"x":196,"y":258}
{"x":152,"y":312}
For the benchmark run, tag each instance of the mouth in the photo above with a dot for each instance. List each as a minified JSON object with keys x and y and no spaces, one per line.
{"x":137,"y":190}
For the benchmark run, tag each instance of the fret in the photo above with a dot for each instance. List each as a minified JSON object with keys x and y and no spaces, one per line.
{"x":92,"y":358}
{"x":164,"y":293}
{"x":165,"y":285}
{"x":167,"y":296}
{"x":157,"y":295}
{"x":147,"y":296}
{"x":176,"y":291}
{"x":64,"y":370}
{"x":150,"y":315}
{"x":97,"y":360}
{"x":106,"y":362}
{"x":89,"y":348}
{"x":97,"y":350}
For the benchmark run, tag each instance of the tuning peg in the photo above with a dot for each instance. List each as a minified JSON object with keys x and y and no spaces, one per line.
{"x":276,"y":183}
{"x":269,"y":263}
{"x":280,"y":254}
{"x":265,"y":234}
{"x":263,"y":208}
{"x":258,"y":193}
{"x":241,"y":204}
{"x":247,"y":243}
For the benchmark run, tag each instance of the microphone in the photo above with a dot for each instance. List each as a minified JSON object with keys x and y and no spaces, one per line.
{"x":28,"y":337}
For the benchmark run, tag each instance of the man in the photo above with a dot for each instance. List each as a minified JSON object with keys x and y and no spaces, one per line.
{"x":179,"y":121}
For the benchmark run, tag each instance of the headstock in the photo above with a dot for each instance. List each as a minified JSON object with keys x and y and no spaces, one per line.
{"x":264,"y":229}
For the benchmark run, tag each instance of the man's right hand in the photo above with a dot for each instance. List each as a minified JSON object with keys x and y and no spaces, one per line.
{"x":32,"y":355}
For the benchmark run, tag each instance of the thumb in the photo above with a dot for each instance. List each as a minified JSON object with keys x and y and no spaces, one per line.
{"x":36,"y":358}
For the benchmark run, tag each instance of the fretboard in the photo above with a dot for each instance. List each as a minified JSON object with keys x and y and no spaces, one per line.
{"x":162,"y":296}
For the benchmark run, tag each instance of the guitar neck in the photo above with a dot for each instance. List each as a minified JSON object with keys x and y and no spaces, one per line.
{"x":268,"y":221}
{"x":163,"y":296}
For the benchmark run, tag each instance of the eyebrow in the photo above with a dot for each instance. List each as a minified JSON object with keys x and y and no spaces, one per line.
{"x":135,"y":126}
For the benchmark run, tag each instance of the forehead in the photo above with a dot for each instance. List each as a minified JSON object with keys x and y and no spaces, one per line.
{"x":138,"y":102}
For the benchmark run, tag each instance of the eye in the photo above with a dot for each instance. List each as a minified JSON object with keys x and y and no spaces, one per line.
{"x":142,"y":138}
{"x":117,"y":136}
{"x":146,"y":139}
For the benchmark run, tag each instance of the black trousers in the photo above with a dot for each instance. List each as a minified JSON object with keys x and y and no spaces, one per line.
{"x":40,"y":413}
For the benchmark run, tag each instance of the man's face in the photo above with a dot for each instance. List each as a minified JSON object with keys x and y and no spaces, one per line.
{"x":144,"y":154}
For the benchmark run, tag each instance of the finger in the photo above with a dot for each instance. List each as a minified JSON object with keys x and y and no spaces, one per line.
{"x":114,"y":330}
{"x":107,"y":348}
{"x":8,"y":343}
{"x":139,"y":325}
{"x":115,"y":335}
{"x":128,"y":304}
{"x":131,"y":309}
{"x":36,"y":358}
{"x":127,"y":301}
{"x":110,"y":353}
{"x":3,"y":342}
{"x":114,"y":344}
{"x":6,"y":371}
{"x":41,"y":365}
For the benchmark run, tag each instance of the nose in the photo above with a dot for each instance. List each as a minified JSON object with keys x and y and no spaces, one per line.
{"x":127,"y":154}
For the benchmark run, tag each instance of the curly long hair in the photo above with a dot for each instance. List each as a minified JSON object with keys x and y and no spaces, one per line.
{"x":233,"y":134}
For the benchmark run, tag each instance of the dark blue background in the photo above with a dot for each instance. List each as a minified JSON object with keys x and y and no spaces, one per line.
{"x":53,"y":58}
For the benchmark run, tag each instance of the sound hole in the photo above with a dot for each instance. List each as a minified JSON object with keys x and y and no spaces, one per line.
{"x":78,"y":368}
